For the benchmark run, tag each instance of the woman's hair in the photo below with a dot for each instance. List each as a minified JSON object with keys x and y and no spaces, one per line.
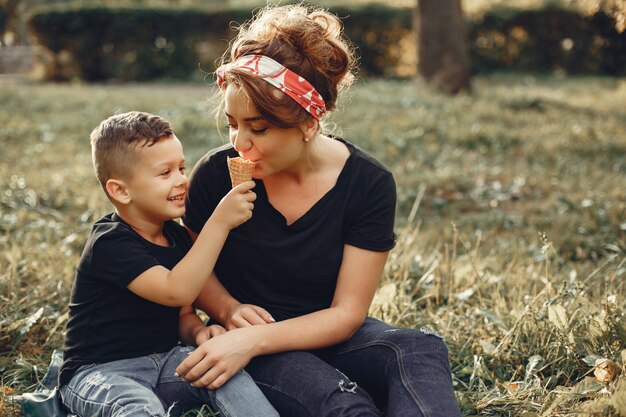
{"x":307,"y":41}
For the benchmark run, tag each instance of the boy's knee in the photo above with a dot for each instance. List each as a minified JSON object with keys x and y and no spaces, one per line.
{"x":138,"y":410}
{"x":135,"y":405}
{"x":240,"y":381}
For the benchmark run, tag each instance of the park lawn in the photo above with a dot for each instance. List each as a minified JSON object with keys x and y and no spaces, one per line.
{"x":511,"y":223}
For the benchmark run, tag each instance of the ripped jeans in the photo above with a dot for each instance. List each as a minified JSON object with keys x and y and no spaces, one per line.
{"x":146,"y":386}
{"x":381,"y":370}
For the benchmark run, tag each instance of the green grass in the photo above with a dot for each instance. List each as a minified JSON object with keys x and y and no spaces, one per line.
{"x":511,"y":223}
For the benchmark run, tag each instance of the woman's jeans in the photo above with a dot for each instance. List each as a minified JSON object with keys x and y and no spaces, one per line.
{"x":148,"y":386}
{"x":402,"y":372}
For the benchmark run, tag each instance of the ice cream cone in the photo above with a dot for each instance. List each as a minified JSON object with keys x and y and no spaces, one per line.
{"x":240,"y":170}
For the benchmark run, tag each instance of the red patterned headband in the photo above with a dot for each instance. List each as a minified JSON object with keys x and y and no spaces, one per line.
{"x":280,"y":77}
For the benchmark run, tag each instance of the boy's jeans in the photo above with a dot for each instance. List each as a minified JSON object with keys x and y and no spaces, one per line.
{"x":404,"y":372}
{"x":147,"y":386}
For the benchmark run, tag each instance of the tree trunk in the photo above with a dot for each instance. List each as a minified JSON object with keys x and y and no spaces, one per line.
{"x":443,"y":59}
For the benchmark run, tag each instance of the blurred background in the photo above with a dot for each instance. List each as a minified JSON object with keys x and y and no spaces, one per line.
{"x":92,"y":40}
{"x":503,"y":123}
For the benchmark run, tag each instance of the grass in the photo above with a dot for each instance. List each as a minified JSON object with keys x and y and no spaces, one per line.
{"x":511,"y":225}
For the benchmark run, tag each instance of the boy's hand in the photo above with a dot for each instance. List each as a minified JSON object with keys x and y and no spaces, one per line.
{"x":208,"y":333}
{"x":244,"y":315}
{"x":236,"y":206}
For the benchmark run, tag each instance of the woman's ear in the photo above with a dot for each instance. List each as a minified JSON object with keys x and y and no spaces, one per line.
{"x":118,"y":191}
{"x":309,"y":129}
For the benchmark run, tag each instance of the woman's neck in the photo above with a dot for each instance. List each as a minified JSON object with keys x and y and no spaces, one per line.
{"x":293,"y":193}
{"x":320,"y":154}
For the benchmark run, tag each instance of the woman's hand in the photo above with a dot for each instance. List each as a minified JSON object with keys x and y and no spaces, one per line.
{"x":244,"y":315}
{"x":217,"y":359}
{"x":209,"y":333}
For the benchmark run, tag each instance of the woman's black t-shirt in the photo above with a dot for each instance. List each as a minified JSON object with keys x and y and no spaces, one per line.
{"x":107,"y":321}
{"x":291,"y":270}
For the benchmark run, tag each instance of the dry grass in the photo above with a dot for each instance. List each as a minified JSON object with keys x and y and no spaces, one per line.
{"x":511,"y":223}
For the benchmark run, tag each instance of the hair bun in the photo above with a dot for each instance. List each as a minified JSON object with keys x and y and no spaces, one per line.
{"x":309,"y":42}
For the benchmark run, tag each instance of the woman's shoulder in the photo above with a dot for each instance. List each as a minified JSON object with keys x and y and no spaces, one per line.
{"x":363,"y":161}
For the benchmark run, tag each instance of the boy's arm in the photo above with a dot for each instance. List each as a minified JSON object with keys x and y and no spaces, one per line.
{"x":183,"y":283}
{"x":189,"y":325}
{"x":223,"y":307}
{"x":192,"y":330}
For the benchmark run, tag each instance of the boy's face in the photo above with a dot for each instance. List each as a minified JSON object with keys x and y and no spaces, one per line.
{"x":159,"y":185}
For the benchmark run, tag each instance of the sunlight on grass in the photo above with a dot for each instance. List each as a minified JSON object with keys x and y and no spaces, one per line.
{"x":511,"y":224}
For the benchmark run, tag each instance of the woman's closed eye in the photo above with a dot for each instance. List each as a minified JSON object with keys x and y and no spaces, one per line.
{"x":232,"y":127}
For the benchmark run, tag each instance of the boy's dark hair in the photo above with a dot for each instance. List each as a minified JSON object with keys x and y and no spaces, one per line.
{"x":114,"y":143}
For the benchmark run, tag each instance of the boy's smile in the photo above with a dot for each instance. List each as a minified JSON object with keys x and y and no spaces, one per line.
{"x":180,"y":197}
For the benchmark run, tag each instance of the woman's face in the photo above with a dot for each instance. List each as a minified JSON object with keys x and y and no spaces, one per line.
{"x":274,"y":149}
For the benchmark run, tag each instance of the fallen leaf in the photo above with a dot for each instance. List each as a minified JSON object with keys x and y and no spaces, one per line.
{"x":513,"y":386}
{"x":605,"y":370}
{"x":558,"y":316}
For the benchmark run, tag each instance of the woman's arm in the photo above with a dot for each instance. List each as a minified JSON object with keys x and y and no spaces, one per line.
{"x":217,"y":302}
{"x":213,"y":299}
{"x":213,"y":363}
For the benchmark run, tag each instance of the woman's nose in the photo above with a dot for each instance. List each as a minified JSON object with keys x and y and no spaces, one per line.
{"x":241,"y":142}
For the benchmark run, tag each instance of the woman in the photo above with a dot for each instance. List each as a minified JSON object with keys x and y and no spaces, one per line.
{"x":294,"y":284}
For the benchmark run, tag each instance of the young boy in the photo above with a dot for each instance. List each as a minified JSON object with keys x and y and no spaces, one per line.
{"x":136,"y":280}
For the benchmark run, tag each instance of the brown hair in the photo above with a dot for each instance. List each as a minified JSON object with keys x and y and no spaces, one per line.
{"x":114,"y":143}
{"x":307,"y":41}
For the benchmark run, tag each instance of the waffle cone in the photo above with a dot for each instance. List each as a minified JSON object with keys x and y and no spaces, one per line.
{"x":240,"y":170}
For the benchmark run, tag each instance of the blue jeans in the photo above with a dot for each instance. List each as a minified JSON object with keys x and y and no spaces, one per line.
{"x":381,"y":369}
{"x":147,"y":386}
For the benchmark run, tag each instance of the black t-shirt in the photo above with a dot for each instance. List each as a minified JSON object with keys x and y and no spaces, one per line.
{"x":292,"y":270}
{"x":107,"y":321}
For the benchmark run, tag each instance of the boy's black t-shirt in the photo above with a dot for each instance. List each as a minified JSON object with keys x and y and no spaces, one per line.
{"x":107,"y":321}
{"x":292,"y":270}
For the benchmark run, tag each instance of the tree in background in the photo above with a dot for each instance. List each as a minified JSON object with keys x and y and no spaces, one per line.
{"x":7,"y":12}
{"x":12,"y":14}
{"x":442,"y":51}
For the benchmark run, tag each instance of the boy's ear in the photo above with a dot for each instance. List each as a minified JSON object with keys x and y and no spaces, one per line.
{"x":309,"y":129}
{"x":118,"y":191}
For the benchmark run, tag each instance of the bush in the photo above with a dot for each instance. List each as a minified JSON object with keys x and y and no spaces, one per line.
{"x":139,"y":44}
{"x":99,"y":43}
{"x":4,"y":17}
{"x":547,"y":39}
{"x":379,"y":33}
